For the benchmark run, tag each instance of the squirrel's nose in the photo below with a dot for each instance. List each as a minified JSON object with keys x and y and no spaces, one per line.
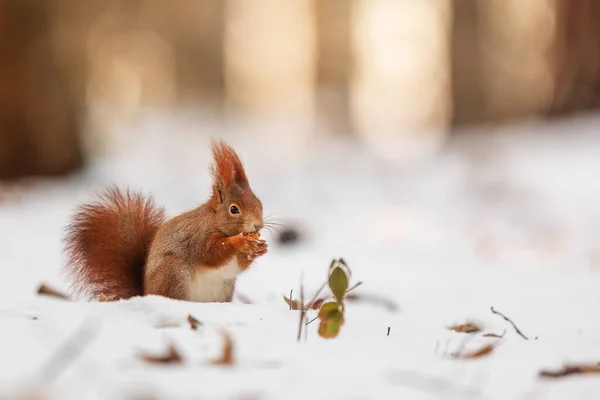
{"x":258,"y":226}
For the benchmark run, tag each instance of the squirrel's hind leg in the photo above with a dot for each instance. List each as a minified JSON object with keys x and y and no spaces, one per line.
{"x":168,"y":278}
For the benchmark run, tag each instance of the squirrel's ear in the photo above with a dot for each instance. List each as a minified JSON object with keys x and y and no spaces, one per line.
{"x":219,"y":191}
{"x":218,"y":188}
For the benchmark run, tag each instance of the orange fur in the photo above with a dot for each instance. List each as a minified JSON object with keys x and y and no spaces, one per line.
{"x":107,"y":244}
{"x":227,"y":167}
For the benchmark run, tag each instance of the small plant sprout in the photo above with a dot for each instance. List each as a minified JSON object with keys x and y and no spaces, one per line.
{"x":331,"y":312}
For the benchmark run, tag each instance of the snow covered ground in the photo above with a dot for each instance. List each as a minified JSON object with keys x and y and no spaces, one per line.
{"x":514,"y":225}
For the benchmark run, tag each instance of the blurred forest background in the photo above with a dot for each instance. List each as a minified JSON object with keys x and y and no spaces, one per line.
{"x":73,"y":70}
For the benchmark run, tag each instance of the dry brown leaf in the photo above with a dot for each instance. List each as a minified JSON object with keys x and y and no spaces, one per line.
{"x":172,"y":356}
{"x":194,"y":323}
{"x":468,"y":327}
{"x":48,"y":291}
{"x":227,"y":352}
{"x":317,"y":304}
{"x":481,"y":352}
{"x":104,"y":298}
{"x":567,"y":370}
{"x":294,"y":304}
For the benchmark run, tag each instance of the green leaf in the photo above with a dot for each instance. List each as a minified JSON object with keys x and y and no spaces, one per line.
{"x":345,"y":267}
{"x":330,"y":327}
{"x":333,"y":264}
{"x":338,"y":283}
{"x":327,"y":309}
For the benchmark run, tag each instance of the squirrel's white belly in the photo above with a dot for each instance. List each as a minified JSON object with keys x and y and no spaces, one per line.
{"x":214,"y":284}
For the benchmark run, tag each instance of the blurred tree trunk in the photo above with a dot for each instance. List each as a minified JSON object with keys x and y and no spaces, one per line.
{"x":198,"y":46}
{"x":577,"y":56}
{"x":270,"y":66}
{"x":38,"y":120}
{"x":500,"y":66}
{"x":334,"y":61}
{"x":468,"y":96}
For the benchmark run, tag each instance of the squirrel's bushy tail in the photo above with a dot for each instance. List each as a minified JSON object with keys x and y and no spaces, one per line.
{"x":107,"y":244}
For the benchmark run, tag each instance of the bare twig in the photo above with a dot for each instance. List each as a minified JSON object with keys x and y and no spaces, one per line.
{"x":511,"y":322}
{"x":48,"y":291}
{"x":317,"y":293}
{"x":354,"y":287}
{"x":68,"y":351}
{"x":494,"y":335}
{"x":302,"y":311}
{"x":312,"y":320}
{"x":388,"y":331}
{"x":291,"y":300}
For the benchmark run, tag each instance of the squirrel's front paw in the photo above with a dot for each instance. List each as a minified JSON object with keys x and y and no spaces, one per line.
{"x":261,"y":249}
{"x":246,"y":243}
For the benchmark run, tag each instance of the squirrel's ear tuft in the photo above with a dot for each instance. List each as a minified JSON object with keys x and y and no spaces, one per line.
{"x":227,"y":167}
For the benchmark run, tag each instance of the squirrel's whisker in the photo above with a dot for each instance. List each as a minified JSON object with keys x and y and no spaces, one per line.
{"x":275,"y":213}
{"x":272,"y":228}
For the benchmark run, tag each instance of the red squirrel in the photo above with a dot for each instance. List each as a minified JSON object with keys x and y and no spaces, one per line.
{"x":124,"y":246}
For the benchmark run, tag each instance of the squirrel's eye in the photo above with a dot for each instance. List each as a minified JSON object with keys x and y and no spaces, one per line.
{"x":234,"y":210}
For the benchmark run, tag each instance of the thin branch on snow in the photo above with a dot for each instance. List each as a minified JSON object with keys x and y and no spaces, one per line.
{"x":357,"y":284}
{"x":312,"y":302}
{"x":302,"y":311}
{"x":511,"y":322}
{"x":495,"y":335}
{"x":48,"y":291}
